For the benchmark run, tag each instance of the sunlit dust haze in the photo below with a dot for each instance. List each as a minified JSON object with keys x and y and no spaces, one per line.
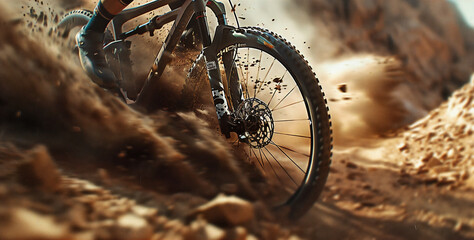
{"x":76,"y":162}
{"x":399,"y":76}
{"x":376,"y":81}
{"x":389,"y":72}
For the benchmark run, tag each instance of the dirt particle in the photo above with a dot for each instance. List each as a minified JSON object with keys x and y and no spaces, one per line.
{"x":351,"y":165}
{"x":342,"y":88}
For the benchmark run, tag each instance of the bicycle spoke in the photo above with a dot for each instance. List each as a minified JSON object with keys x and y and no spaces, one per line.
{"x":291,"y":150}
{"x":284,"y":98}
{"x":248,"y":64}
{"x":248,"y":156}
{"x":236,"y":141}
{"x":245,"y":82}
{"x":281,"y":166}
{"x":290,"y":120}
{"x":260,"y":151}
{"x":258,"y":70}
{"x":268,"y":104}
{"x":233,"y":66}
{"x":289,"y":105}
{"x":258,"y":160}
{"x":263,"y":81}
{"x":292,"y":135}
{"x":274,"y":144}
{"x":273,"y":95}
{"x":273,"y":169}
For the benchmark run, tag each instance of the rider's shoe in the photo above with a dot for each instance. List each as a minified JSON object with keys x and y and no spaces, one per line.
{"x":92,"y":55}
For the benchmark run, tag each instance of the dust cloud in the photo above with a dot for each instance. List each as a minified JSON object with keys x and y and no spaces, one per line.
{"x":368,"y":97}
{"x":391,"y":79}
{"x":371,"y":105}
{"x":47,"y":99}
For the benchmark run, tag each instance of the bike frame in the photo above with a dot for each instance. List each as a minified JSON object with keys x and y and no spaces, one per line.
{"x":227,"y":40}
{"x":181,"y":17}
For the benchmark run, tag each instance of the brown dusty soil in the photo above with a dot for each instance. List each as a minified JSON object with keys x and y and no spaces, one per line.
{"x":416,"y":183}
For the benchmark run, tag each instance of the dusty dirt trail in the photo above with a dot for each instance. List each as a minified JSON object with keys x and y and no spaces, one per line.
{"x":415,"y":184}
{"x":369,"y":197}
{"x":379,"y":187}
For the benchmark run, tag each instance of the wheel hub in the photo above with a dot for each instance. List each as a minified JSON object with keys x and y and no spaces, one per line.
{"x":256,"y":118}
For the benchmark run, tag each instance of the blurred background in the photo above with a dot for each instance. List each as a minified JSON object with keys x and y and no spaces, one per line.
{"x":76,"y":163}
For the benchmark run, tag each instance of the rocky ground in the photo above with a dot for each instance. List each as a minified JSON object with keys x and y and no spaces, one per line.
{"x":439,"y":147}
{"x":40,"y":201}
{"x":414,"y":184}
{"x":411,"y":183}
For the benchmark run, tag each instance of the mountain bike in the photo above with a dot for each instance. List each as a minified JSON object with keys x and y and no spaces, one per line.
{"x":267,"y":99}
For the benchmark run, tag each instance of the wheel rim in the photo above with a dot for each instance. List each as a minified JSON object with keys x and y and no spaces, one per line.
{"x":281,"y":146}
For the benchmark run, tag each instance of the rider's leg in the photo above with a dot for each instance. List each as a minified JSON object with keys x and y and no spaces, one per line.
{"x":90,"y":42}
{"x":104,"y":12}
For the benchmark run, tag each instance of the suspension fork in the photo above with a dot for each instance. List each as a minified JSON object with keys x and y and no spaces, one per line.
{"x":213,"y":70}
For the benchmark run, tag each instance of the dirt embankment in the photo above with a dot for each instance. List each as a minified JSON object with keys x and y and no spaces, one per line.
{"x":440,"y":147}
{"x":436,"y":52}
{"x":414,"y":184}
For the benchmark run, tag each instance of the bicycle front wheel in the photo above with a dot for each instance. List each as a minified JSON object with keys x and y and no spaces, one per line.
{"x":285,"y":126}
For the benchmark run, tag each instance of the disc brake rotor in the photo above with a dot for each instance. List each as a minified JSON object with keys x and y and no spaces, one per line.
{"x":257,"y":121}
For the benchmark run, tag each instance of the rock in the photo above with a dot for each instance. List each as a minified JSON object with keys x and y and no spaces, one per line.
{"x":24,"y":224}
{"x":90,"y":188}
{"x":443,"y":156}
{"x":214,"y":233}
{"x":132,"y":226}
{"x":433,"y":162}
{"x":431,"y":135}
{"x":132,"y":221}
{"x":464,"y":175}
{"x":144,"y":211}
{"x":403,"y":146}
{"x":226,"y":210}
{"x":359,"y":206}
{"x":440,"y":169}
{"x":84,"y":236}
{"x":448,"y":177}
{"x":427,"y":157}
{"x":450,"y":153}
{"x":77,"y":216}
{"x":251,"y":237}
{"x":351,"y":165}
{"x":238,"y":233}
{"x":39,"y":171}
